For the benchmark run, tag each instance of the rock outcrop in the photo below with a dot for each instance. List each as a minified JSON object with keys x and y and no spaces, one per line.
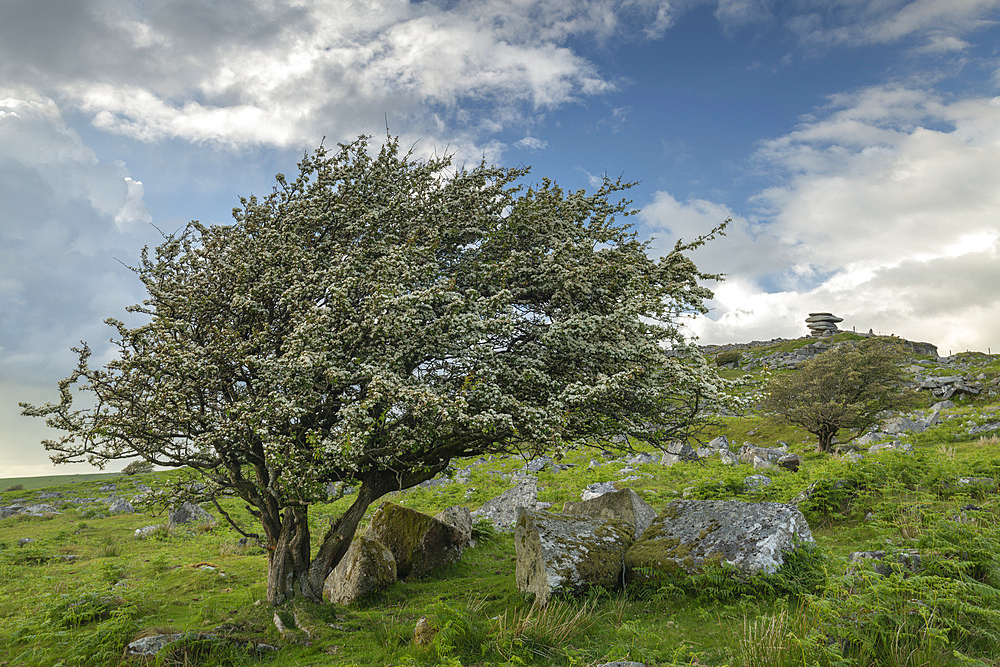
{"x":418,"y":542}
{"x":690,"y":533}
{"x":822,"y":325}
{"x":556,"y":552}
{"x":624,"y":505}
{"x":502,"y":510}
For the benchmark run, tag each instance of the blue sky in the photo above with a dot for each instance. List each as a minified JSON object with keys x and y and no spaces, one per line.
{"x":856,"y":145}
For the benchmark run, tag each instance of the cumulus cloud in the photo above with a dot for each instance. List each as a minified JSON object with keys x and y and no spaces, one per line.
{"x":885,"y":214}
{"x":260,"y":72}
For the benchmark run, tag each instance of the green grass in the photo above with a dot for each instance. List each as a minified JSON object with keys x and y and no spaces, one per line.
{"x":86,"y":587}
{"x":46,"y":481}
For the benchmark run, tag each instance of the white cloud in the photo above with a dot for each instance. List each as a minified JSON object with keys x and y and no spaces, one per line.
{"x":531,"y":143}
{"x":845,"y":22}
{"x":886,"y":215}
{"x":287,"y":75}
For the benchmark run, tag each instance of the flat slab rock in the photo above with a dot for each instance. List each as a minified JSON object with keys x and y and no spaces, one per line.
{"x":556,"y":552}
{"x":750,"y":536}
{"x":502,"y":510}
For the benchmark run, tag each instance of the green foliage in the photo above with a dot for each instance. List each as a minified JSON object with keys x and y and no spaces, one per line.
{"x":109,"y":620}
{"x":16,"y":487}
{"x":950,"y":603}
{"x":803,"y":572}
{"x":844,"y":388}
{"x":730,"y":357}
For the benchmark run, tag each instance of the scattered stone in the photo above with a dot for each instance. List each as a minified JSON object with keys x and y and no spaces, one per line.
{"x":641,"y":458}
{"x":121,"y":506}
{"x":24,"y":540}
{"x":17,"y":509}
{"x":625,"y":505}
{"x":424,"y":632}
{"x":769,"y":455}
{"x":789,"y":462}
{"x":985,"y":428}
{"x":750,"y":536}
{"x":187,"y":513}
{"x":152,"y":645}
{"x":597,"y":489}
{"x":556,"y":552}
{"x":108,"y":488}
{"x":538,"y":465}
{"x":910,"y":560}
{"x":897,"y":425}
{"x":893,"y":446}
{"x":869,"y":439}
{"x":755,"y":482}
{"x":728,"y":458}
{"x":145,"y":532}
{"x":419,"y":542}
{"x":502,"y":510}
{"x":49,"y":494}
{"x":368,"y":567}
{"x":677,"y":452}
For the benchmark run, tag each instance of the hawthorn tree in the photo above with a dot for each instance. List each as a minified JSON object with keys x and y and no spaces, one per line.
{"x":373,"y":319}
{"x":843,"y":388}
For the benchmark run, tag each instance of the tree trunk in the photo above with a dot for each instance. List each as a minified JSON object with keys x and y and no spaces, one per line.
{"x":288,"y":556}
{"x":338,"y":538}
{"x":290,"y":572}
{"x":826,"y":436}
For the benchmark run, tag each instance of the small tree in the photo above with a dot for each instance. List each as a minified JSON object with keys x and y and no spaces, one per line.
{"x":138,"y":467}
{"x":844,"y":388}
{"x":377,"y":317}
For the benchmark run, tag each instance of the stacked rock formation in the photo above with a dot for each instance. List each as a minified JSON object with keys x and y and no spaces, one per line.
{"x":822,"y":324}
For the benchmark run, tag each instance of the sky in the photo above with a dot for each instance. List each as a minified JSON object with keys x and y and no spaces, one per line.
{"x":854,"y":144}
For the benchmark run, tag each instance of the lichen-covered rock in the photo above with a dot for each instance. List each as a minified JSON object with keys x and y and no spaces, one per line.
{"x":556,"y":552}
{"x":502,"y":510}
{"x":881,"y":562}
{"x":678,"y":452}
{"x":188,"y":512}
{"x":748,"y":453}
{"x":891,"y":446}
{"x":689,"y":533}
{"x":367,"y":567}
{"x":597,"y":489}
{"x":121,"y":506}
{"x":423,"y":632}
{"x":625,"y":505}
{"x":146,"y":532}
{"x":418,"y":542}
{"x":150,"y":646}
{"x":459,"y":517}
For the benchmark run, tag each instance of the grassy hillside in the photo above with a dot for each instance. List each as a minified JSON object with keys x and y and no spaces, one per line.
{"x":85,"y":586}
{"x":45,"y":481}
